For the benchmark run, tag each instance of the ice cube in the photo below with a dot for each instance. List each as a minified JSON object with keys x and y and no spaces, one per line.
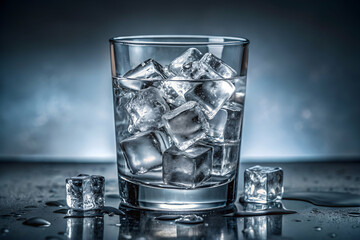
{"x":225,"y":157}
{"x":232,"y":131}
{"x":186,"y":125}
{"x":146,"y":109}
{"x":149,"y":69}
{"x":263,"y":184}
{"x":190,"y":55}
{"x":143,"y":151}
{"x":197,"y":70}
{"x":85,"y":192}
{"x":187,"y":168}
{"x":168,"y":73}
{"x":218,"y":65}
{"x":173,"y":90}
{"x":217,"y":126}
{"x":211,"y":96}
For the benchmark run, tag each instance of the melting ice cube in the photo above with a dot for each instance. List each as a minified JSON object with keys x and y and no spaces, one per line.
{"x":186,"y":124}
{"x":263,"y":184}
{"x":211,"y":96}
{"x":146,"y":109}
{"x":85,"y":192}
{"x":143,"y":151}
{"x":187,"y":168}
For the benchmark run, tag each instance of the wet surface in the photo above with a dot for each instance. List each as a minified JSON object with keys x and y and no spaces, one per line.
{"x":35,"y":190}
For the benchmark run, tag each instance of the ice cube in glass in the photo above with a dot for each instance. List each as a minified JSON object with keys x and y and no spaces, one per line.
{"x":187,"y":168}
{"x":211,"y":96}
{"x":218,"y":65}
{"x":190,"y":55}
{"x":186,"y":125}
{"x":143,"y":151}
{"x":146,"y":109}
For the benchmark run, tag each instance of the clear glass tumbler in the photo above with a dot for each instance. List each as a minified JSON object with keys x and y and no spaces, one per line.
{"x":178,"y":106}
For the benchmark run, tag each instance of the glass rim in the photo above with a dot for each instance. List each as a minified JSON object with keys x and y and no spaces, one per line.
{"x":212,"y":40}
{"x":115,"y":78}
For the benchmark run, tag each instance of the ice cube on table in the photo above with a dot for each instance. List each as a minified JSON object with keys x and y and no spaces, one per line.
{"x":217,"y":126}
{"x":173,"y":90}
{"x":143,"y":151}
{"x":218,"y":65}
{"x":232,"y":131}
{"x":149,"y":69}
{"x":263,"y":184}
{"x":146,"y":109}
{"x":186,"y":125}
{"x":211,"y":96}
{"x":85,"y":192}
{"x":190,"y":55}
{"x":187,"y":168}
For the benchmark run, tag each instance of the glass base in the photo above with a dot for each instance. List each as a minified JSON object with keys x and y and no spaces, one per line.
{"x":146,"y":197}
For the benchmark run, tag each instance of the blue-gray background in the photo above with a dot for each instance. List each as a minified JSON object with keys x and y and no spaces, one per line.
{"x":303,"y":80}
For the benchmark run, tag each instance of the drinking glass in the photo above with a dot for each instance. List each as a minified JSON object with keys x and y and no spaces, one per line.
{"x":178,"y":109}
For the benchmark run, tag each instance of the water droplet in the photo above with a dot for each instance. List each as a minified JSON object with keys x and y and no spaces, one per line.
{"x":4,"y":231}
{"x":354,"y":214}
{"x":332,"y":235}
{"x":58,"y":203}
{"x":315,"y":211}
{"x":318,"y":229}
{"x":37,"y":222}
{"x":190,"y":219}
{"x":31,"y":206}
{"x":168,"y":217}
{"x":62,"y":211}
{"x":118,"y":224}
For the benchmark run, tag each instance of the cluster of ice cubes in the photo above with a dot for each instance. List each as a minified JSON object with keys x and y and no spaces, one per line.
{"x":85,"y":192}
{"x":180,"y":123}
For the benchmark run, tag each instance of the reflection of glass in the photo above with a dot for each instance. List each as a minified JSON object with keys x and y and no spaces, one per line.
{"x":147,"y":227}
{"x":85,"y":228}
{"x":262,"y":227}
